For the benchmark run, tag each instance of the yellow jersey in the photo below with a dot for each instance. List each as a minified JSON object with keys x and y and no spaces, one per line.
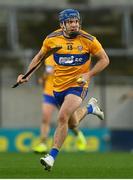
{"x":73,"y":59}
{"x":49,"y":69}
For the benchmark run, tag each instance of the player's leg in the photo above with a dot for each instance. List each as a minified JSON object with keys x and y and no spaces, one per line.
{"x":48,"y":107}
{"x":47,"y":110}
{"x":91,"y":108}
{"x":80,"y":142}
{"x":69,"y":115}
{"x":70,"y":104}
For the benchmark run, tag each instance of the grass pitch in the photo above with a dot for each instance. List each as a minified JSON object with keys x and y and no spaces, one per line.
{"x":68,"y":165}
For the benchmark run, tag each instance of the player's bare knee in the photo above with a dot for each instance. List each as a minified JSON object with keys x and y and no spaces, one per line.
{"x":45,"y":120}
{"x":63,"y":119}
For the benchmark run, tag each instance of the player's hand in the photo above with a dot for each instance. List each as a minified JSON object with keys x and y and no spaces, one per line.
{"x":83,"y":79}
{"x":20,"y":79}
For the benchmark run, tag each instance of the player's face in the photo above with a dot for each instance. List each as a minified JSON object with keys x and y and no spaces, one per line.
{"x":72,"y":25}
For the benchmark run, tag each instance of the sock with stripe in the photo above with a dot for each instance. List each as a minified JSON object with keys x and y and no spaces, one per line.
{"x":90,"y":109}
{"x":54,"y":152}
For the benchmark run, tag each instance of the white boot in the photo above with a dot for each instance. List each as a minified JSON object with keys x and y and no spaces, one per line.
{"x":96,"y":110}
{"x":47,"y":161}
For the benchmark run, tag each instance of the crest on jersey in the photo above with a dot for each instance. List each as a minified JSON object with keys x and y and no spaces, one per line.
{"x":80,"y":48}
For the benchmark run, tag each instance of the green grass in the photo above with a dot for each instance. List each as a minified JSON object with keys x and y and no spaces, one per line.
{"x":68,"y":165}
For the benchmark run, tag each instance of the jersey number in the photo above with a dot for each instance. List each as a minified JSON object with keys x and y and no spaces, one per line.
{"x":69,"y":47}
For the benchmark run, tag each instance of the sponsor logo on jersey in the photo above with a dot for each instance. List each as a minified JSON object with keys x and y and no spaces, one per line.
{"x":71,"y":59}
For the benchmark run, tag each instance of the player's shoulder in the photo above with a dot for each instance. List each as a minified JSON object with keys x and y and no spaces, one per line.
{"x":86,"y":35}
{"x":56,"y":33}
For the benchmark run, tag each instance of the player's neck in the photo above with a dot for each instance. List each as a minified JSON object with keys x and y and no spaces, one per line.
{"x":70,"y":36}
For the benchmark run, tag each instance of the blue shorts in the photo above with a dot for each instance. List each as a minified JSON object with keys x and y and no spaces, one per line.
{"x":79,"y":91}
{"x":49,"y":99}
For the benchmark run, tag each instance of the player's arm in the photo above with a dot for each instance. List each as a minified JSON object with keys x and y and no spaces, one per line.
{"x":101,"y":64}
{"x":97,"y":51}
{"x":34,"y":61}
{"x":38,"y":57}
